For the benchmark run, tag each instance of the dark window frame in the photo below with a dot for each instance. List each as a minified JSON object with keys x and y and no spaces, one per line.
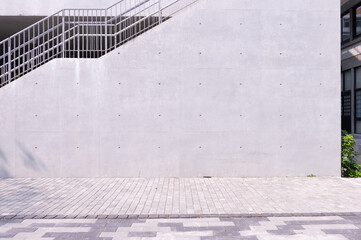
{"x":355,"y":91}
{"x":349,"y":12}
{"x":354,"y":21}
{"x":346,"y":92}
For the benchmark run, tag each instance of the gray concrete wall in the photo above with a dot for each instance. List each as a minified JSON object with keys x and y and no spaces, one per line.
{"x":46,"y":7}
{"x":225,"y":88}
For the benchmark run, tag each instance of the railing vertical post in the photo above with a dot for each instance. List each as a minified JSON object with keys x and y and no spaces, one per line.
{"x":63,"y":35}
{"x":78,"y":35}
{"x":78,"y":38}
{"x":32,"y":58}
{"x":9,"y":60}
{"x":160,"y":12}
{"x":106,"y":31}
{"x":115,"y":27}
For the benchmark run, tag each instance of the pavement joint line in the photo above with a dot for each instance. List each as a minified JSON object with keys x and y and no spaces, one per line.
{"x":174,"y":216}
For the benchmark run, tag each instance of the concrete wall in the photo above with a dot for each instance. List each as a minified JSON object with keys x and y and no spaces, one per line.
{"x":225,"y":88}
{"x":46,"y":7}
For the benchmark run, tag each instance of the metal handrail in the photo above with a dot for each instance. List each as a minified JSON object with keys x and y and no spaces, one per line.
{"x":115,"y":4}
{"x":125,"y":12}
{"x":35,"y":38}
{"x":78,"y":33}
{"x":31,"y":26}
{"x":127,"y":18}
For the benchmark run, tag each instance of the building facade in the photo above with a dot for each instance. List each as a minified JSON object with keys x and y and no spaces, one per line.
{"x":351,"y":68}
{"x":237,"y":88}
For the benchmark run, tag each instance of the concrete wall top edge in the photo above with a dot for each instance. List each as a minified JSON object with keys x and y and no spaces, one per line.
{"x":45,"y":7}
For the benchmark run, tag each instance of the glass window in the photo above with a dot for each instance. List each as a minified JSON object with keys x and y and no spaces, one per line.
{"x":347,"y":105}
{"x":347,"y":80}
{"x":358,"y":104}
{"x":358,"y":111}
{"x":358,"y":78}
{"x":358,"y":100}
{"x":358,"y":21}
{"x":345,"y":27}
{"x":346,"y":100}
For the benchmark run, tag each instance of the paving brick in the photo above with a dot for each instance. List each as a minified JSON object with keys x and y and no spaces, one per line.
{"x":142,"y":234}
{"x":268,"y":205}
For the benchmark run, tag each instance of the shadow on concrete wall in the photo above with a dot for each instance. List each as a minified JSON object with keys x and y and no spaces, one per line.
{"x":4,"y":162}
{"x":29,"y":160}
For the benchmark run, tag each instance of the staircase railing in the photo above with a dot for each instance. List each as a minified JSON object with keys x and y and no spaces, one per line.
{"x":80,"y":33}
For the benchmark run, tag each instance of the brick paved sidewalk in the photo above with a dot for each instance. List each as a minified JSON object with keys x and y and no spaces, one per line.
{"x":176,"y":197}
{"x":261,"y":228}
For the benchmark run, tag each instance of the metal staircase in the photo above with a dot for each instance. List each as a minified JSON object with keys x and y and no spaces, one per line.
{"x":81,"y":33}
